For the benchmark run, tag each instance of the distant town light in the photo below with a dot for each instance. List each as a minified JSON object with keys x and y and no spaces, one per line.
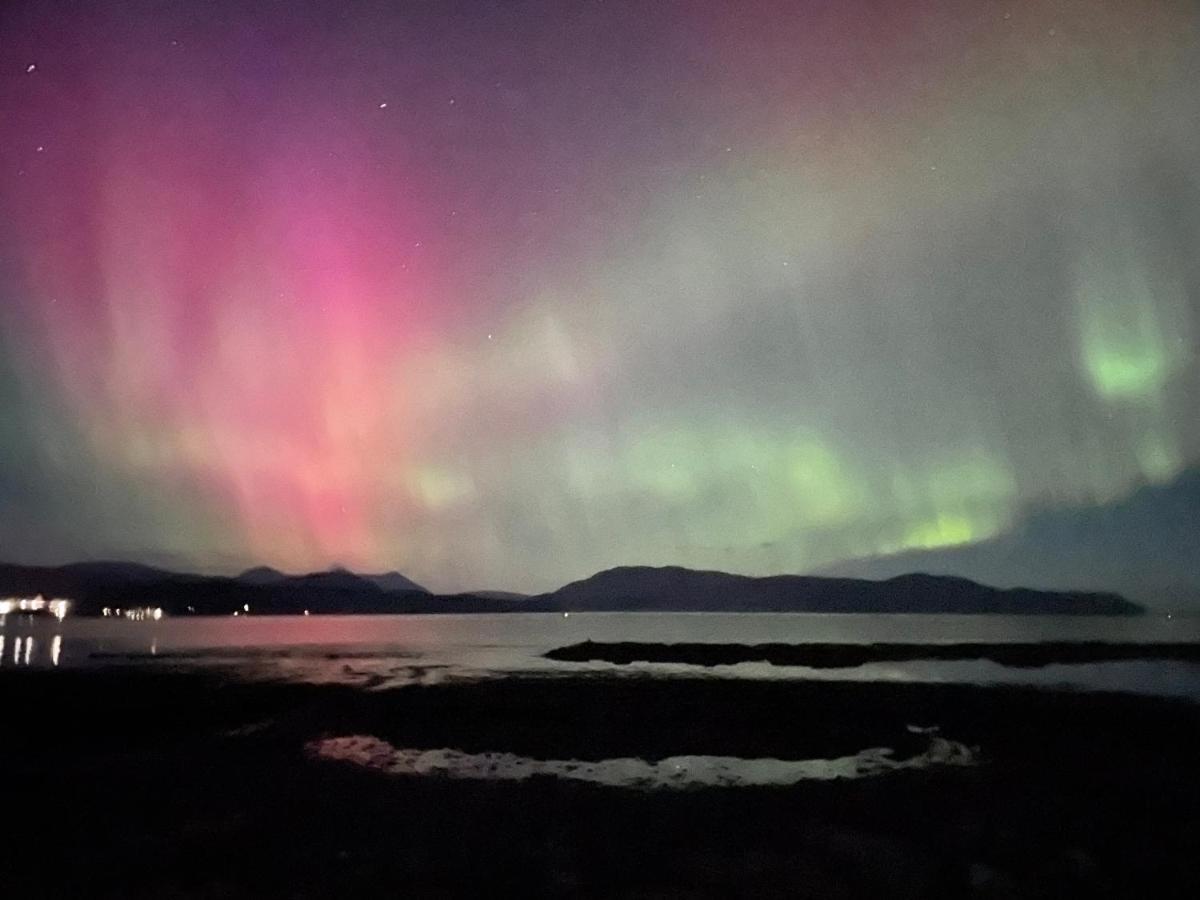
{"x":38,"y":604}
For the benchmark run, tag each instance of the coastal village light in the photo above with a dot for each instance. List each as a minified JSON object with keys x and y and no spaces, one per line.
{"x":35,"y":606}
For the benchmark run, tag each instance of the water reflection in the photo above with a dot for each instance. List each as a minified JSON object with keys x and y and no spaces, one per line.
{"x":385,"y":651}
{"x":39,"y":649}
{"x":137,"y":614}
{"x":21,"y":653}
{"x":49,"y":637}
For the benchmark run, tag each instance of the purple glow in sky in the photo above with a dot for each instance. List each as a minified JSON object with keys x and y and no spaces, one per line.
{"x":500,"y":294}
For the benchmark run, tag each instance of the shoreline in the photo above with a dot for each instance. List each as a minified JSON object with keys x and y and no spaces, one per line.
{"x":189,"y":783}
{"x":826,"y":655}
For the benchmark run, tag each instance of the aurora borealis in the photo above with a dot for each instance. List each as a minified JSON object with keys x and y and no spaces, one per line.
{"x":500,"y":294}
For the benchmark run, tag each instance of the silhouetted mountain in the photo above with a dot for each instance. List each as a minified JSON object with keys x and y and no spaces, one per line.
{"x":109,"y":570}
{"x":641,"y":588}
{"x":499,"y":595}
{"x":335,"y":580}
{"x":1143,"y":546}
{"x":261,"y":575}
{"x":78,"y":579}
{"x":394,"y":581}
{"x":95,"y":586}
{"x":336,"y":577}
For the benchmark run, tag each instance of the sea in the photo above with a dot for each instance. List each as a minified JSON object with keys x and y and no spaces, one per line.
{"x":377,"y":652}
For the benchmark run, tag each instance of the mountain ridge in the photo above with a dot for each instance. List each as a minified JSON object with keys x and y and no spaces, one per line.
{"x":1142,"y":546}
{"x":94,"y":586}
{"x":677,"y":589}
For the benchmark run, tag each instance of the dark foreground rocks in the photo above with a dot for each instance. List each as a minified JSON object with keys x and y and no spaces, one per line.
{"x":132,"y":783}
{"x":838,"y":656}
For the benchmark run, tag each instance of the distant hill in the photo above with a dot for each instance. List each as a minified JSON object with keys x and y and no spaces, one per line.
{"x":261,"y":575}
{"x":394,"y":581}
{"x":1143,"y":546}
{"x":113,"y":571}
{"x":94,"y":586}
{"x":333,"y":580}
{"x":499,"y":595}
{"x":336,"y":577}
{"x":640,"y":588}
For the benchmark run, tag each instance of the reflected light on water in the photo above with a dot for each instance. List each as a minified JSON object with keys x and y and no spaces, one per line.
{"x":138,"y":614}
{"x":400,"y":650}
{"x":43,"y":650}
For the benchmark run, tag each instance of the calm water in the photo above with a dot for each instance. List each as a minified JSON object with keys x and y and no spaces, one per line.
{"x":385,"y":650}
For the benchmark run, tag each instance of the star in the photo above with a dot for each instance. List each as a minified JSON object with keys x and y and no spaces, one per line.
{"x":226,"y":196}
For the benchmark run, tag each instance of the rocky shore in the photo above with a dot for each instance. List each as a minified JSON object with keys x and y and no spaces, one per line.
{"x":841,"y":655}
{"x":147,"y":782}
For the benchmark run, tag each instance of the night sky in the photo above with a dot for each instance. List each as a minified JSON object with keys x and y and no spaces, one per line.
{"x":500,"y":294}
